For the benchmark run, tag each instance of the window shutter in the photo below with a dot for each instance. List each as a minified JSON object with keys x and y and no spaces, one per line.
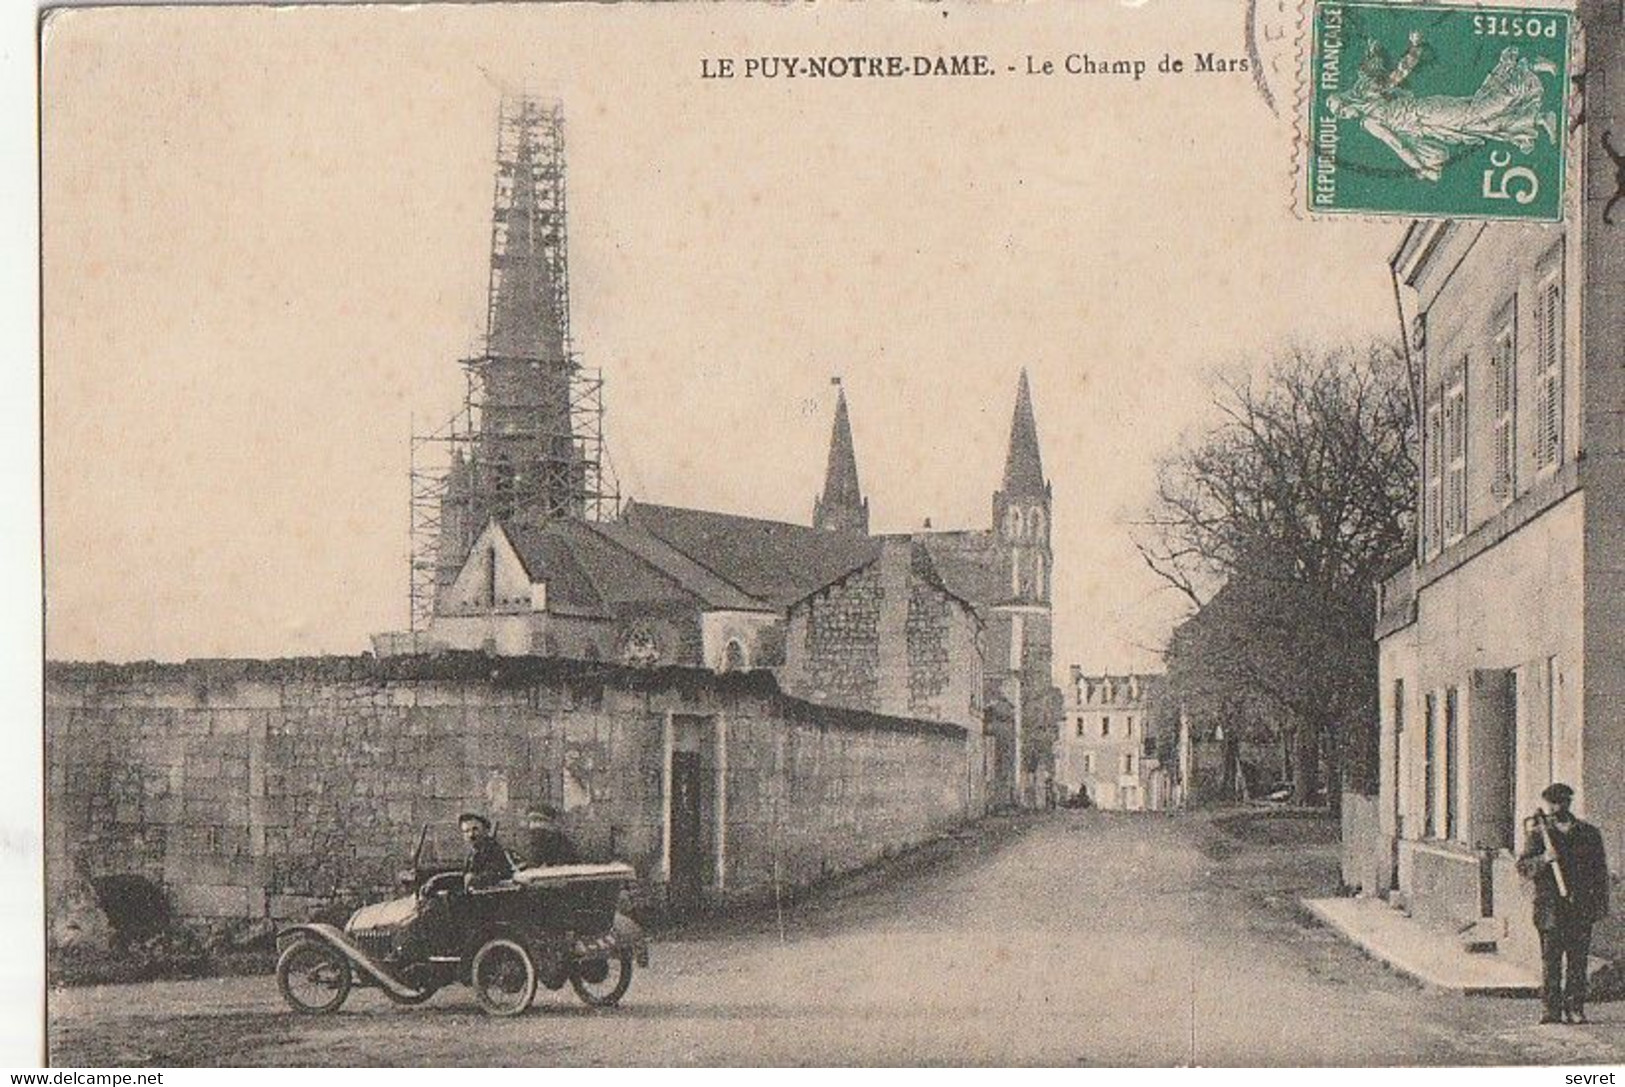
{"x":1505,"y":376}
{"x":1455,"y":470}
{"x":1550,"y":396}
{"x":1433,"y":522}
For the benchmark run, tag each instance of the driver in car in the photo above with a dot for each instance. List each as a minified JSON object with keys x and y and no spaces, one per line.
{"x":487,"y":864}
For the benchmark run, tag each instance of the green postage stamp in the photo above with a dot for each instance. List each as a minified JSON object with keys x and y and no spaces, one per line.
{"x":1424,"y":110}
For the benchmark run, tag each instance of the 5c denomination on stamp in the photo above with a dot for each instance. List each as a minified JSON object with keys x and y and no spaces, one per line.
{"x":1426,"y":111}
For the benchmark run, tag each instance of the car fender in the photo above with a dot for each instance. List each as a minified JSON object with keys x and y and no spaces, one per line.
{"x":629,"y":934}
{"x":330,"y":935}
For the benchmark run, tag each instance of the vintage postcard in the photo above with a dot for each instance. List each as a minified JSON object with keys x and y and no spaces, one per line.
{"x":862,"y":535}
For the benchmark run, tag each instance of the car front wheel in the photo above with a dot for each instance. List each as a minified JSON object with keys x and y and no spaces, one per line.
{"x":314,"y":977}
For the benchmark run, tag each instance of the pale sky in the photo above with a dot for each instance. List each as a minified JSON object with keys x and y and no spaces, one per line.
{"x":266,"y":235}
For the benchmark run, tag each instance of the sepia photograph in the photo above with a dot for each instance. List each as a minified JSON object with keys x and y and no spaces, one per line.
{"x":846,"y":535}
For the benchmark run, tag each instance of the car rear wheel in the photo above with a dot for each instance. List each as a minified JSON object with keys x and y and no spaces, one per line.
{"x":503,"y":977}
{"x":602,"y":982}
{"x":314,"y":977}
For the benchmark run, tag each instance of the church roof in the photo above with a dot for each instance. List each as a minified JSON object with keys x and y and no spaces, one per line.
{"x":1023,"y":466}
{"x":968,"y":562}
{"x":774,"y":562}
{"x":967,"y":576}
{"x":589,"y":574}
{"x":607,"y":569}
{"x":711,"y":590}
{"x":548,"y":556}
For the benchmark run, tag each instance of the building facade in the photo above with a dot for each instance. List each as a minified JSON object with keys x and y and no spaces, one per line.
{"x":1106,"y":748}
{"x":1502,"y":646}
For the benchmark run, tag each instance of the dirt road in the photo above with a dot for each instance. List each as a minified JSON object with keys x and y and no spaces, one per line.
{"x":1089,"y":938}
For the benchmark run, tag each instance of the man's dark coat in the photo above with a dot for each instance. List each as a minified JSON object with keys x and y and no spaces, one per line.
{"x":1585,"y":868}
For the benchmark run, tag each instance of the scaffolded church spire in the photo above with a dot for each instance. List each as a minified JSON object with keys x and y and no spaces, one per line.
{"x":527,"y":446}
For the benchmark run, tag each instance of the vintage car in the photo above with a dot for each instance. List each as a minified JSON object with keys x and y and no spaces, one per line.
{"x":545,"y":926}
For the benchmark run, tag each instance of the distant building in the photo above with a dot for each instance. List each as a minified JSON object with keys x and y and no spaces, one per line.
{"x":1502,"y":645}
{"x":1106,"y":747}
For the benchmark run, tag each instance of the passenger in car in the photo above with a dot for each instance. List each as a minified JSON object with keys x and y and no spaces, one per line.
{"x":546,"y":843}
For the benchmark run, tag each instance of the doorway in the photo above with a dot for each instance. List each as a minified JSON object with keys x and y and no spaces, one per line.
{"x":688,"y":852}
{"x":692,"y":814}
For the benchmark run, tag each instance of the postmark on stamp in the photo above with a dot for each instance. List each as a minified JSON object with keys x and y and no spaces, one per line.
{"x":1422,"y":110}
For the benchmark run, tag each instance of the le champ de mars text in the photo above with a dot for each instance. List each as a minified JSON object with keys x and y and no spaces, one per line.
{"x":860,"y":66}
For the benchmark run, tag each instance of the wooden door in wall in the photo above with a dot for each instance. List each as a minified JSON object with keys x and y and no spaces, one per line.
{"x":688,"y":844}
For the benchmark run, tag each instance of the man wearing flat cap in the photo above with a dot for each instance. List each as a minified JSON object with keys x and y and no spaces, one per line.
{"x":1564,"y":857}
{"x":488,"y":863}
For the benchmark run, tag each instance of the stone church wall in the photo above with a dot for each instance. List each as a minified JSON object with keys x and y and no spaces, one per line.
{"x":888,"y":639}
{"x":273,"y":788}
{"x":834,"y":642}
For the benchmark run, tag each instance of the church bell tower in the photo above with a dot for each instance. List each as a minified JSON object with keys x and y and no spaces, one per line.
{"x":1021,"y":509}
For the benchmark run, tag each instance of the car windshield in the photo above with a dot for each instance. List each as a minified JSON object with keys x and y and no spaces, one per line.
{"x":444,"y":847}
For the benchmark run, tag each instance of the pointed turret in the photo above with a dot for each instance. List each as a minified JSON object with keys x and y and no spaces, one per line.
{"x":524,"y":319}
{"x":1023,"y":465}
{"x":842,"y":507}
{"x":1021,"y":508}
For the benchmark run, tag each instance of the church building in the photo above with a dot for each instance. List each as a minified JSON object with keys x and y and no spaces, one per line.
{"x":944,"y":626}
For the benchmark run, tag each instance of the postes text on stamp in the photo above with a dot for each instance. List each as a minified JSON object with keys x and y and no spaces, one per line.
{"x":1423,"y":110}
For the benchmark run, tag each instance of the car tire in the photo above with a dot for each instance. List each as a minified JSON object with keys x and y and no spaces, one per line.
{"x":597,"y":994}
{"x":309,"y":967}
{"x":503,"y":976}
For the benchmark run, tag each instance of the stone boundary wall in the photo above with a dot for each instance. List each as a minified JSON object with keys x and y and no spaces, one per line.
{"x":274,"y":788}
{"x":1366,"y":859}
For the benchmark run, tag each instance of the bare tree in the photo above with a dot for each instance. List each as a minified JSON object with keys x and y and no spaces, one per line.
{"x":1276,"y":524}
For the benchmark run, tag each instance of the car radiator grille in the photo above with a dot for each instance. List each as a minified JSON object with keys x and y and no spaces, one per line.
{"x":376,"y":945}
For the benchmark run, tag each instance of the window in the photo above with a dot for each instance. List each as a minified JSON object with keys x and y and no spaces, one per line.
{"x":1105,"y":726}
{"x":1430,"y":739}
{"x":1037,"y":524}
{"x":1013,"y":523}
{"x":1455,"y":451}
{"x":1433,"y":487}
{"x":1549,"y":370}
{"x":1131,"y":728}
{"x":1128,"y":762}
{"x":733,"y":656}
{"x":1452,"y":795}
{"x":1080,"y":728}
{"x":1504,"y":405}
{"x":1088,"y":762}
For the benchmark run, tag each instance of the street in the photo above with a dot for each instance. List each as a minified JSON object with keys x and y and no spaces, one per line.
{"x":1078,"y":938}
